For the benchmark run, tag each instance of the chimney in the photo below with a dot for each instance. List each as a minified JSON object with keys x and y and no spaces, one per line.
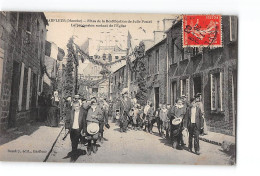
{"x":158,"y":25}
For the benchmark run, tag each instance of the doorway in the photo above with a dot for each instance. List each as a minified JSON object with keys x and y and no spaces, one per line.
{"x":174,"y":92}
{"x":156,"y":97}
{"x":14,"y":94}
{"x":197,"y":85}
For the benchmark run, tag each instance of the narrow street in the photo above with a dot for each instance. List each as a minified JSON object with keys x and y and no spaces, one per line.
{"x":138,"y":147}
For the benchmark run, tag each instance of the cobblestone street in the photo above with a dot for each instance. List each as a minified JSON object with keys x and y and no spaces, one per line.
{"x":138,"y":147}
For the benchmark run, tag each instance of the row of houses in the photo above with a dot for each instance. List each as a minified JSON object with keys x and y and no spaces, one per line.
{"x":173,"y":71}
{"x":25,"y":58}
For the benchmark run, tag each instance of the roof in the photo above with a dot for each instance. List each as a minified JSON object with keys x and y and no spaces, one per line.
{"x":156,"y":44}
{"x":177,"y":22}
{"x":44,"y":19}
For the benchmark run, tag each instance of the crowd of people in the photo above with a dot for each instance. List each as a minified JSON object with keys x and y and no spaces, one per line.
{"x":85,"y":122}
{"x":49,"y":110}
{"x":185,"y":119}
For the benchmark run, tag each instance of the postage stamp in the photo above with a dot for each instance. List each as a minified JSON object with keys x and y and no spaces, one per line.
{"x":202,"y":31}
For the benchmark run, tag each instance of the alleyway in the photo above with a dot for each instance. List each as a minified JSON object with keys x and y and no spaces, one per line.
{"x":138,"y":147}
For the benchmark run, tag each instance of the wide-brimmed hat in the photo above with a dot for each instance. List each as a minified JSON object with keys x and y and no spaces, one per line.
{"x":125,"y":90}
{"x":92,"y":128}
{"x":177,"y":121}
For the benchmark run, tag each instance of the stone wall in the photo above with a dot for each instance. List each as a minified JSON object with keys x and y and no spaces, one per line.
{"x":22,"y":41}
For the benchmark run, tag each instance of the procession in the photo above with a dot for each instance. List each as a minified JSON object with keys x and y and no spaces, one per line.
{"x":159,"y":89}
{"x":85,"y":120}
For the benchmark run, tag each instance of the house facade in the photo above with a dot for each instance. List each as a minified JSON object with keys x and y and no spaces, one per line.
{"x":209,"y":71}
{"x":22,"y":56}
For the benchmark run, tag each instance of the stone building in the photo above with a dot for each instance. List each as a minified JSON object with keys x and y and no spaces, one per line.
{"x":156,"y":73}
{"x":22,"y":47}
{"x":209,"y":71}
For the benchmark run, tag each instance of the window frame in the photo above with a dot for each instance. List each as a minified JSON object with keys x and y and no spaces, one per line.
{"x":216,"y":94}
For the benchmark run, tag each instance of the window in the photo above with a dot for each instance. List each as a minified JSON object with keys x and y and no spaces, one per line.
{"x":109,"y":57}
{"x":150,"y":66}
{"x":95,"y":69}
{"x":185,"y":87}
{"x":94,"y":90}
{"x":173,"y":49}
{"x":233,"y":28}
{"x":14,"y":19}
{"x":157,"y":61}
{"x":197,"y":50}
{"x":182,"y":54}
{"x":28,"y":29}
{"x":216,"y":87}
{"x":123,"y":74}
{"x":29,"y":23}
{"x":21,"y":88}
{"x":28,"y":93}
{"x":24,"y":84}
{"x":132,"y":75}
{"x":104,"y":56}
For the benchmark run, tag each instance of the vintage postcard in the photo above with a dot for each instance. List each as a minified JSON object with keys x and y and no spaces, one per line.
{"x":118,"y":88}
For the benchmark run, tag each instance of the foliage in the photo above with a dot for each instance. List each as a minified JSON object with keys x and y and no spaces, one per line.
{"x":140,"y":69}
{"x":69,"y":83}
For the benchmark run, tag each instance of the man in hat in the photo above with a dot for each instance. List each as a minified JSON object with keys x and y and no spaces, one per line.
{"x":77,"y":124}
{"x":199,"y":103}
{"x":177,"y":111}
{"x":104,"y":120}
{"x":124,"y":106}
{"x":185,"y":101}
{"x":194,"y":123}
{"x":94,"y":115}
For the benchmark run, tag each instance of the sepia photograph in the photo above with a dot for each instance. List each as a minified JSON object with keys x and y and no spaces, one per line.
{"x":133,"y":88}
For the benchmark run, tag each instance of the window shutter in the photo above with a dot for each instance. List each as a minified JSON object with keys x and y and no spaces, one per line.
{"x":181,"y":87}
{"x":21,"y":88}
{"x":200,"y":49}
{"x":213,"y":92}
{"x":28,"y":89}
{"x":188,"y":88}
{"x":221,"y":90}
{"x":233,"y":28}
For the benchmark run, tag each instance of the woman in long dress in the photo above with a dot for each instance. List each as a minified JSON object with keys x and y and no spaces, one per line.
{"x":53,"y":113}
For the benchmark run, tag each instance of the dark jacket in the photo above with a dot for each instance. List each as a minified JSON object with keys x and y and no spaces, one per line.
{"x":82,"y":119}
{"x":198,"y":118}
{"x":124,"y":106}
{"x":175,"y":112}
{"x":95,"y":116}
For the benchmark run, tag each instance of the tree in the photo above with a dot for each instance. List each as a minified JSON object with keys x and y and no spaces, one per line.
{"x":140,"y":69}
{"x":69,"y":80}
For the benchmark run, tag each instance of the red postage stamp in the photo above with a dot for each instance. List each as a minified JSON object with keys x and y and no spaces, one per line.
{"x":202,"y":31}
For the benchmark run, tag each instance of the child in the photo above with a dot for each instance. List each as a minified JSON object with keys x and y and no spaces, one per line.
{"x":165,"y":120}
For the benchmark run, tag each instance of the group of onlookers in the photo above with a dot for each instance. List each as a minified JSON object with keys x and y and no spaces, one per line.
{"x":49,"y":110}
{"x":184,"y":117}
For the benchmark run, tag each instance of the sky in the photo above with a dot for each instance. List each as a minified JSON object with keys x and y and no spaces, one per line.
{"x":62,"y":26}
{"x":60,"y":32}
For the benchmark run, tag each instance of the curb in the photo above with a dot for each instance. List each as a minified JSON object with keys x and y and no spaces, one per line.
{"x":47,"y":156}
{"x":210,"y":141}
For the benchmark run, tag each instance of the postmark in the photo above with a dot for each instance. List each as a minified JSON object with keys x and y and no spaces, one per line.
{"x":202,"y":31}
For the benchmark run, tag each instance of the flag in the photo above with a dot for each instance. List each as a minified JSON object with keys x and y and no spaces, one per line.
{"x":61,"y":54}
